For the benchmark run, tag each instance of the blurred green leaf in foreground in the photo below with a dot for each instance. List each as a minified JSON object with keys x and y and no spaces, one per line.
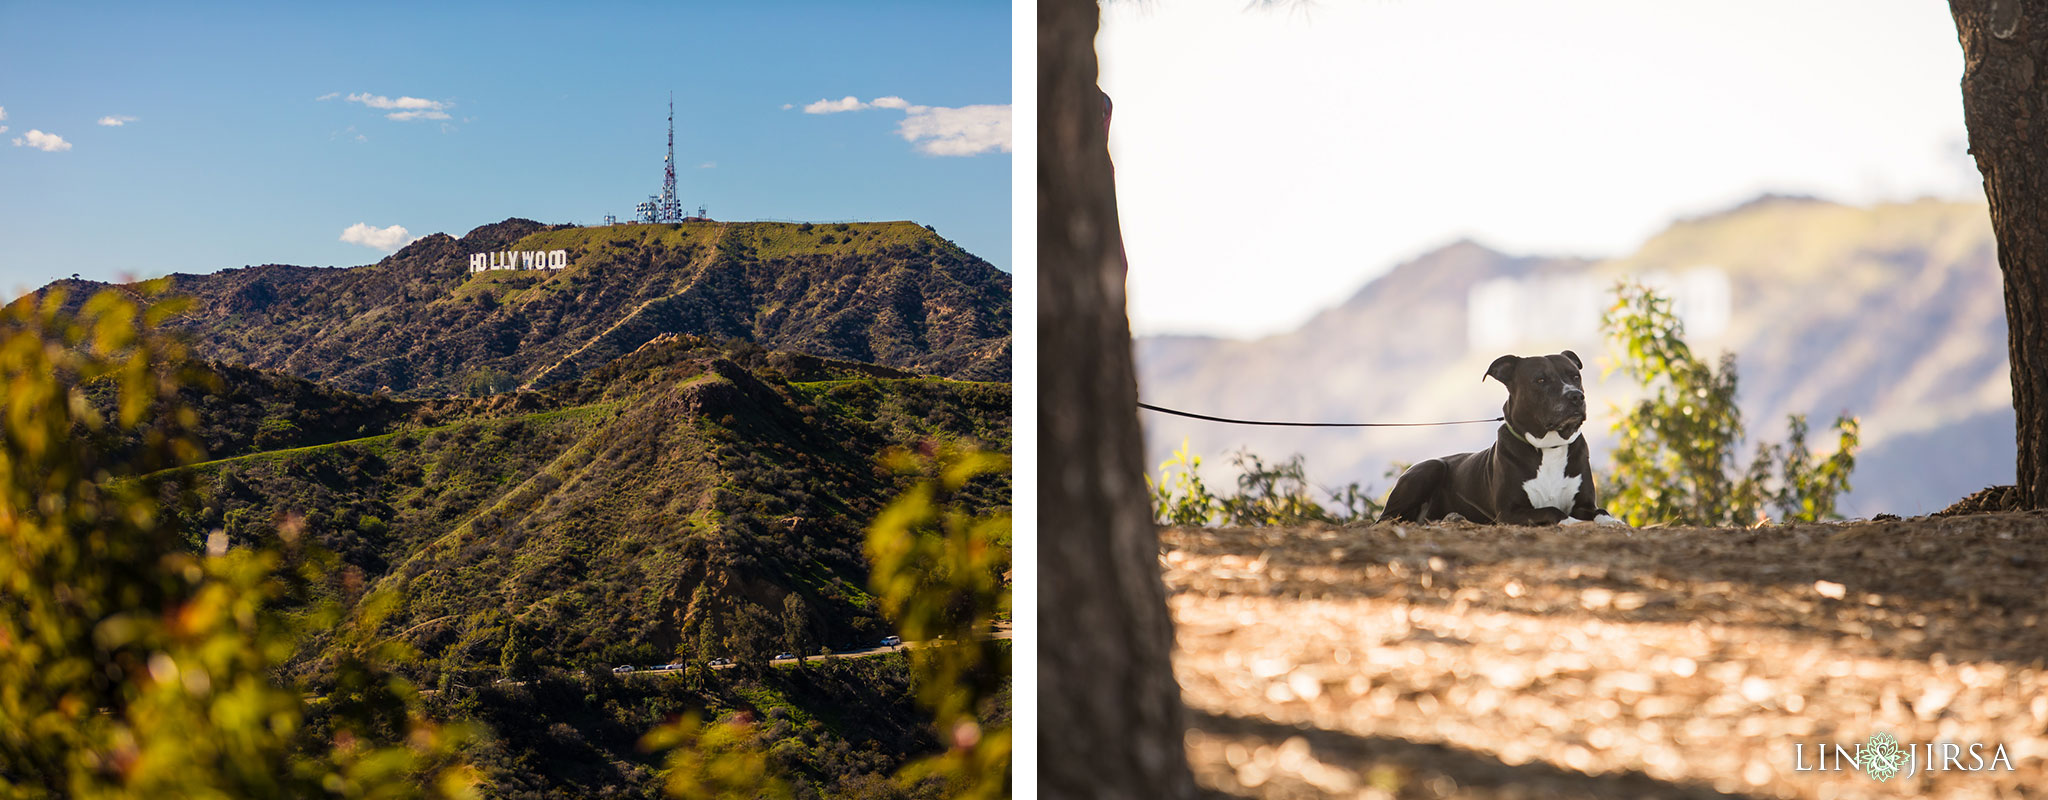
{"x":938,"y":572}
{"x":131,"y":664}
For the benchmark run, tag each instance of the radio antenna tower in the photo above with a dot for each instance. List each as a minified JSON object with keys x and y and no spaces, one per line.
{"x":665,"y":207}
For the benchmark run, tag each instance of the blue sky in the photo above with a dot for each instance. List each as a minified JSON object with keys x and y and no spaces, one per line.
{"x":450,"y":117}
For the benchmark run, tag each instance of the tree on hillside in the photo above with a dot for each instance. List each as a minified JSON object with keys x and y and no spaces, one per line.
{"x":516,"y":657}
{"x":1110,"y":715}
{"x":2003,"y":50}
{"x":796,"y":626}
{"x":700,"y":638}
{"x":749,"y":636}
{"x":694,"y":665}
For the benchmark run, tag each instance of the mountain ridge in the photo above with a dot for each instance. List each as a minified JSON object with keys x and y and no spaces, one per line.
{"x":418,"y":323}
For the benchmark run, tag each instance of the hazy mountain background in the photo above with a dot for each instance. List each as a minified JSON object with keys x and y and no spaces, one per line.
{"x":1893,"y":313}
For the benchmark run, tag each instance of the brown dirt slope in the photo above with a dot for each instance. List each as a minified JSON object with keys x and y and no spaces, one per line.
{"x":1482,"y":662}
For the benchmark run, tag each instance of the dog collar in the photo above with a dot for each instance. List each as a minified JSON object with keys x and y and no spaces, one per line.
{"x":1534,"y":442}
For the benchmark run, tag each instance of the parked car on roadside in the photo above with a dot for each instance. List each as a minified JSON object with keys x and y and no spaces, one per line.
{"x":784,"y":656}
{"x":892,"y":641}
{"x":621,"y":670}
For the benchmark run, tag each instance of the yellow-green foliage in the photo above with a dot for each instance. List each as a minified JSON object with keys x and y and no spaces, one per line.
{"x":1675,"y":458}
{"x":129,"y":665}
{"x":717,"y":761}
{"x":1276,"y":494}
{"x":1179,"y":498}
{"x":938,"y":573}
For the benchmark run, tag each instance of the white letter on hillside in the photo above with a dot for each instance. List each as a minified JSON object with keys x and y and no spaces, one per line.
{"x":558,"y":259}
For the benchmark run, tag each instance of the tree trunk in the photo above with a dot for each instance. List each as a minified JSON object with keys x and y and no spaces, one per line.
{"x":2003,"y":49}
{"x":1110,"y":717}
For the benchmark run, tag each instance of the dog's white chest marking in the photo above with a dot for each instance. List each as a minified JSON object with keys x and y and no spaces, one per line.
{"x":1551,"y":488}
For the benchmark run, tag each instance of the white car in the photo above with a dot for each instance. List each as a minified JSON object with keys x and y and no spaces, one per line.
{"x":621,"y":670}
{"x":892,"y":641}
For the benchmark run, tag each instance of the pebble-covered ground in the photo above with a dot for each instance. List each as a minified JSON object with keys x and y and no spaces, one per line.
{"x":1472,"y":661}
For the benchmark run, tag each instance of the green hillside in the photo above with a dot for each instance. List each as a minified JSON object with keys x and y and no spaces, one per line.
{"x":591,"y":513}
{"x":665,"y":502}
{"x":667,"y":451}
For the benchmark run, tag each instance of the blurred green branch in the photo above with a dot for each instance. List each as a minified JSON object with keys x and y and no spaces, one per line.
{"x":1674,"y":461}
{"x":131,"y":666}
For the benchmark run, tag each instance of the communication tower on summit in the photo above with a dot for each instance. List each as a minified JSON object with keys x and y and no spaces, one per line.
{"x":664,"y":207}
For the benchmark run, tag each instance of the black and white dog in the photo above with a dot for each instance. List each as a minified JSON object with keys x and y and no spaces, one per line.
{"x":1539,"y":470}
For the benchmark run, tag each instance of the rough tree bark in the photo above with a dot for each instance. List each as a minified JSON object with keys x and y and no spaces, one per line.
{"x":2005,"y":105}
{"x":1110,"y":718}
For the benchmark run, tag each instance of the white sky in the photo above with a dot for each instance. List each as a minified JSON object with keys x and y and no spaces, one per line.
{"x":1271,"y":160}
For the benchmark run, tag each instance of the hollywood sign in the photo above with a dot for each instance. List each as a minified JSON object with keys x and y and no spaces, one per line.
{"x":518,"y":259}
{"x":1565,"y":309}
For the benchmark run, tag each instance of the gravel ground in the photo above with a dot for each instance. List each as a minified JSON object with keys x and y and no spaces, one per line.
{"x":1460,"y":660}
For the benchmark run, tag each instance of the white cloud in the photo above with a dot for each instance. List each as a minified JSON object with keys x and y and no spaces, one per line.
{"x":787,"y":106}
{"x":964,"y":131}
{"x":380,"y":101}
{"x":847,"y":103}
{"x":936,"y":130}
{"x":3,"y":129}
{"x":708,"y":165}
{"x":327,"y":96}
{"x":406,"y":116}
{"x":386,"y":239}
{"x":404,"y":108}
{"x":3,"y":111}
{"x":46,"y":142}
{"x":112,"y":121}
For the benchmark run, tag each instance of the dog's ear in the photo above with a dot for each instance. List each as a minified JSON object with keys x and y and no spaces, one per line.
{"x":1575,"y":359}
{"x":1503,"y":368}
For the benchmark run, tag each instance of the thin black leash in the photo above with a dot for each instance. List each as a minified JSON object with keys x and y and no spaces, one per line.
{"x":1150,"y":407}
